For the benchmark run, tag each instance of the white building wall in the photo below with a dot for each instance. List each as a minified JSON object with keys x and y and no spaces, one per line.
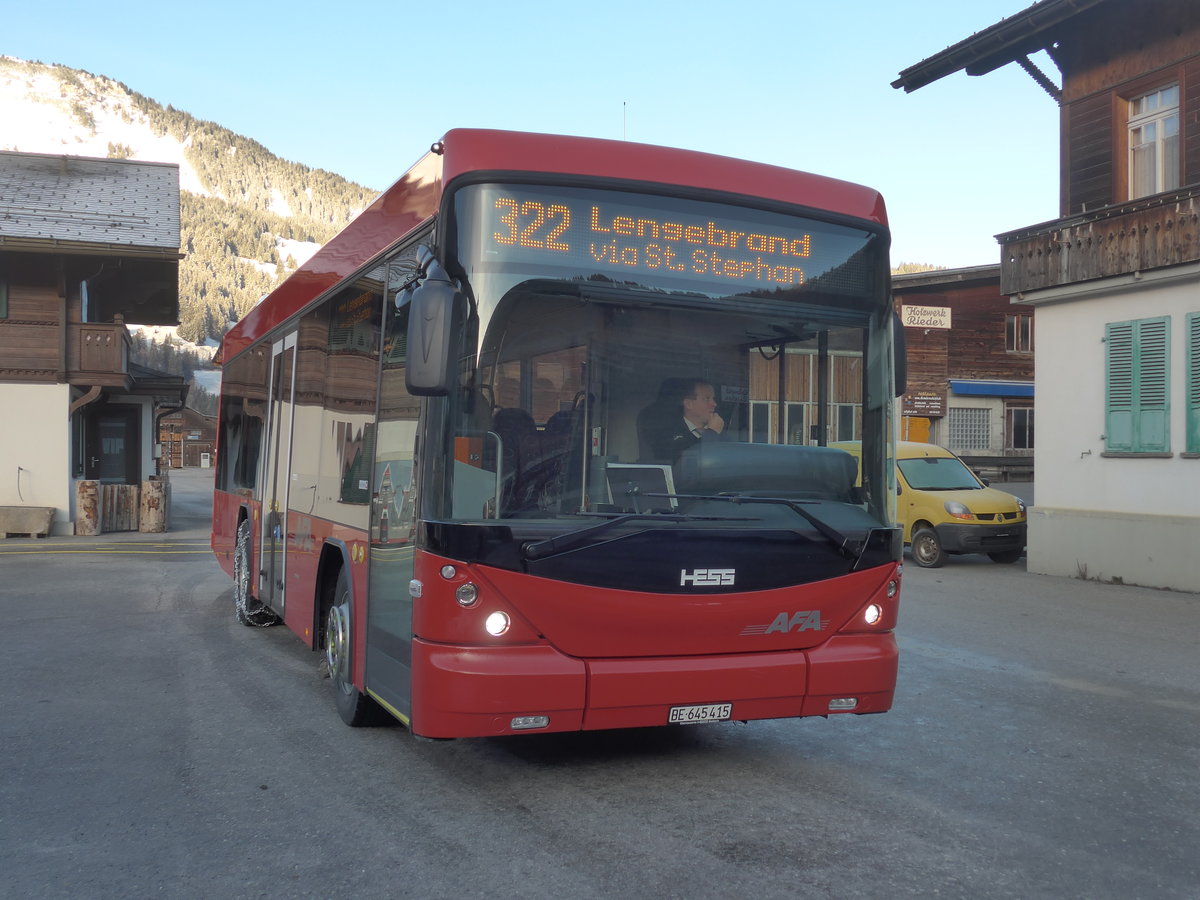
{"x":35,"y":450}
{"x":1136,"y":520}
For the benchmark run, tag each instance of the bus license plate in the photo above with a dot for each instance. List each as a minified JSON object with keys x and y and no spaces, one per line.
{"x":693,"y":715}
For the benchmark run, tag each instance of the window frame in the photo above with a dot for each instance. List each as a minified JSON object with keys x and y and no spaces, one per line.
{"x":1011,"y":430}
{"x":1157,"y":117}
{"x":1018,"y":333}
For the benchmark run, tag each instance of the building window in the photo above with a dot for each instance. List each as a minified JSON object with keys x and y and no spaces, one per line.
{"x":1137,"y":386}
{"x":969,"y":428}
{"x":3,"y":299}
{"x":1019,"y":331}
{"x":764,"y":422}
{"x":1020,"y":428}
{"x":1193,"y":383}
{"x":1154,"y":142}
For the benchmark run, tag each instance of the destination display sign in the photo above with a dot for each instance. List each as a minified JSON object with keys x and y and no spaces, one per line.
{"x":666,"y":238}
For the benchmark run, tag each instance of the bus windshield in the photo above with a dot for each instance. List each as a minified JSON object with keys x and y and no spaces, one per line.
{"x":659,"y":360}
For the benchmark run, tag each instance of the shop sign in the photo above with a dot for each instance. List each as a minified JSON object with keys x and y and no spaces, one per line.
{"x":925,"y":316}
{"x":924,"y":403}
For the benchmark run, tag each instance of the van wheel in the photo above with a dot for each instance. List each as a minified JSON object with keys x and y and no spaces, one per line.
{"x":927,"y":550}
{"x":246,"y":606}
{"x":1005,"y":556}
{"x":355,"y":708}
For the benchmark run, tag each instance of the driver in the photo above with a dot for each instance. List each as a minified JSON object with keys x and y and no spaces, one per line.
{"x":684,"y":414}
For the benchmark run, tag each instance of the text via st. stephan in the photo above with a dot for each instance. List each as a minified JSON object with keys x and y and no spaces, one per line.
{"x":707,"y":249}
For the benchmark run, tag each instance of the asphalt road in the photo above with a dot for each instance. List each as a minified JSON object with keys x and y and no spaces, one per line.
{"x":1045,"y":742}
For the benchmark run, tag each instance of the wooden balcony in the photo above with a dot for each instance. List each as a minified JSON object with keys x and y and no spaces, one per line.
{"x":98,"y":354}
{"x":1151,"y":233}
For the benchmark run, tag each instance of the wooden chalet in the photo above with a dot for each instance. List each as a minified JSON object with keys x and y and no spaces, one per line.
{"x":188,"y":439}
{"x":86,"y":246}
{"x":970,"y":368}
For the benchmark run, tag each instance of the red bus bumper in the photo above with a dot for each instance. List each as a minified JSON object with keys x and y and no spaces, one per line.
{"x":478,"y":691}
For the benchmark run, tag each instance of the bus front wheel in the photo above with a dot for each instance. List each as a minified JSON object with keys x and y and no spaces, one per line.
{"x":248,"y":609}
{"x":355,"y":707}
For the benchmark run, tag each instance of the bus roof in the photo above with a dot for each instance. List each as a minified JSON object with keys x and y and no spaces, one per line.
{"x":413,"y":200}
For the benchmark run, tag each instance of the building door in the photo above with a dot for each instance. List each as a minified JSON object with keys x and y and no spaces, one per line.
{"x":277,"y":464}
{"x":112,"y":445}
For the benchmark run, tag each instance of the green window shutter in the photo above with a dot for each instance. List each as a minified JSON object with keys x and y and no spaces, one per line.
{"x":1154,"y":386}
{"x":1120,"y":364}
{"x":3,"y":299}
{"x":1192,"y":391}
{"x":1138,"y":386}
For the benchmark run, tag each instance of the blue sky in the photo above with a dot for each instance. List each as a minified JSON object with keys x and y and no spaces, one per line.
{"x":363,"y":88}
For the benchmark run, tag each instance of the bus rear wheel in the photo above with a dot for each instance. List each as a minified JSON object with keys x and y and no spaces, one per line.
{"x":355,"y":707}
{"x":248,"y":609}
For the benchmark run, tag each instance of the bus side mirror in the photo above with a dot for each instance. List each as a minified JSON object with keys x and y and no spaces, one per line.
{"x":433,"y":315}
{"x":900,"y":354}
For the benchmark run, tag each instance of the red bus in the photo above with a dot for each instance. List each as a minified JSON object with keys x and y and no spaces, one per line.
{"x":446,"y":456}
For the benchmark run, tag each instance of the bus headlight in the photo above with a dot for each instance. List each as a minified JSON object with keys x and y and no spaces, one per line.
{"x":496,"y":624}
{"x":467,"y":594}
{"x":872,"y":614}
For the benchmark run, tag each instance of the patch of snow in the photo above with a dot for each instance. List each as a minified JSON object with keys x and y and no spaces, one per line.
{"x":269,"y":269}
{"x":36,"y":117}
{"x":300,"y":251}
{"x":163,"y":334}
{"x":279,"y":205}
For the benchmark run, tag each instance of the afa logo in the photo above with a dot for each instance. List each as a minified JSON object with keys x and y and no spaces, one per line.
{"x":804,"y":620}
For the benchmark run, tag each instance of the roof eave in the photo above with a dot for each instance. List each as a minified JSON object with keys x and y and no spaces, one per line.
{"x":1008,"y":40}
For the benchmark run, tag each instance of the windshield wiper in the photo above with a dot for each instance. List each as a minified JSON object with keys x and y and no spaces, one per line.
{"x":852,"y":549}
{"x":572,"y":539}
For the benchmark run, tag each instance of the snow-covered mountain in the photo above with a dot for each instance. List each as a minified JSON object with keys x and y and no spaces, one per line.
{"x":230,"y":185}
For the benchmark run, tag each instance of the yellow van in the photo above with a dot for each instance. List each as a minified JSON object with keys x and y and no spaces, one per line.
{"x":945,"y":508}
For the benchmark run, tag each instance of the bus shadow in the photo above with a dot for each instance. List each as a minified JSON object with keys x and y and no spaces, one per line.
{"x":583,"y":747}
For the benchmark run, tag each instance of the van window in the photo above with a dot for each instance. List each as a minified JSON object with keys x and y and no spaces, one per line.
{"x":937,"y":473}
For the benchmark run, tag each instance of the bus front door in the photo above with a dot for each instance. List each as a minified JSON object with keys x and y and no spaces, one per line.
{"x":277,"y":466}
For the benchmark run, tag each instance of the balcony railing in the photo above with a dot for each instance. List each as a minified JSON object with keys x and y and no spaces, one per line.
{"x":97,"y":353}
{"x":1150,"y":233}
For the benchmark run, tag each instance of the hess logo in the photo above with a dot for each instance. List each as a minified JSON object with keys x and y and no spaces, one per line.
{"x":707,"y":577}
{"x":804,"y":620}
